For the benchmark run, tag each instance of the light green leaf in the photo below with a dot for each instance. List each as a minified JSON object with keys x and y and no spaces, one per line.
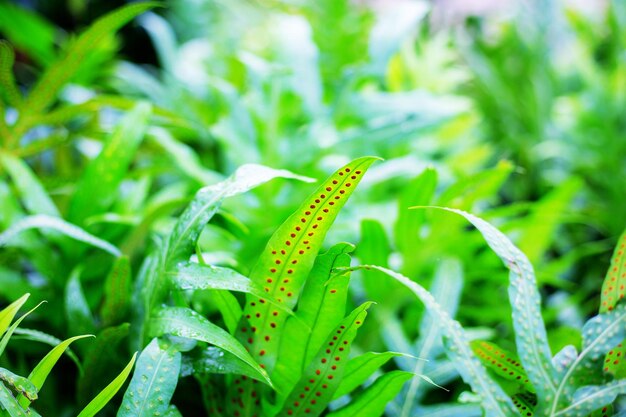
{"x":615,"y":281}
{"x":9,"y":404}
{"x":8,"y":87}
{"x":40,"y":221}
{"x":502,"y":362}
{"x":359,"y":369}
{"x":107,"y":393}
{"x":372,"y":402}
{"x":184,"y":322}
{"x":39,"y":336}
{"x":153,"y":382}
{"x":98,"y":186}
{"x":495,"y":402}
{"x":9,"y":332}
{"x":20,"y":384}
{"x":7,"y":313}
{"x":530,"y":330}
{"x":42,"y":370}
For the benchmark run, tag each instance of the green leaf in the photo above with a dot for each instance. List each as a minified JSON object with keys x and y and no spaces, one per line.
{"x":494,"y":400}
{"x":372,"y":402}
{"x":42,"y":370}
{"x":32,"y":193}
{"x":525,"y":404}
{"x":9,"y":332}
{"x":39,"y":221}
{"x":322,"y":377}
{"x":214,"y":360}
{"x":7,"y":313}
{"x":208,"y":200}
{"x":530,"y":331}
{"x":117,"y":292}
{"x":29,"y":32}
{"x":285,"y":264}
{"x":502,"y":362}
{"x":614,"y":363}
{"x":374,"y":249}
{"x":39,"y":336}
{"x":79,"y":317}
{"x":98,"y":187}
{"x":60,"y":72}
{"x":8,"y":87}
{"x":20,"y":384}
{"x":184,"y":322}
{"x":153,"y":382}
{"x":591,"y":398}
{"x":9,"y":404}
{"x":613,"y":287}
{"x":321,"y":307}
{"x":606,"y":411}
{"x":360,"y":368}
{"x":107,"y":393}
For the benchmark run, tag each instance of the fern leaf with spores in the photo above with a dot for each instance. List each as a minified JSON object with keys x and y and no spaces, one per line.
{"x":614,"y":285}
{"x":320,"y":308}
{"x":372,"y":401}
{"x":154,"y":381}
{"x":614,"y":363}
{"x":494,"y":400}
{"x":180,"y":244}
{"x":606,"y":411}
{"x":283,"y":267}
{"x":9,"y":404}
{"x":525,"y":404}
{"x":530,"y":331}
{"x":318,"y":383}
{"x":502,"y":362}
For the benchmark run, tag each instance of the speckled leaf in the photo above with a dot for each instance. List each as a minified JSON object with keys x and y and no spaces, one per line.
{"x":372,"y":402}
{"x":7,"y":313}
{"x":564,"y":359}
{"x":502,"y":362}
{"x":525,"y":403}
{"x":530,"y":331}
{"x":606,"y":411}
{"x":42,"y":370}
{"x":359,"y":369}
{"x":108,"y":392}
{"x":285,"y":264}
{"x":323,"y":375}
{"x":208,"y":200}
{"x":19,"y":384}
{"x":589,"y":399}
{"x":600,"y":335}
{"x":321,"y":307}
{"x":10,"y":404}
{"x":117,"y":291}
{"x":154,"y":381}
{"x":98,"y":187}
{"x":184,"y":322}
{"x":494,"y":401}
{"x":614,"y":286}
{"x":615,"y":361}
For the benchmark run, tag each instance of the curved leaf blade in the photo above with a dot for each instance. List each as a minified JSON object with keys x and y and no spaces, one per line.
{"x":108,"y":392}
{"x":184,"y":322}
{"x":614,"y":285}
{"x":8,"y":313}
{"x":359,"y":369}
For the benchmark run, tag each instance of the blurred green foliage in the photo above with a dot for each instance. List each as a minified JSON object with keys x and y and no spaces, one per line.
{"x":109,"y":129}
